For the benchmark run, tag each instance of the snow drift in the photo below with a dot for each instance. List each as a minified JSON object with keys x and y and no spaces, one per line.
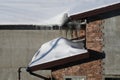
{"x":58,"y":20}
{"x":56,"y":49}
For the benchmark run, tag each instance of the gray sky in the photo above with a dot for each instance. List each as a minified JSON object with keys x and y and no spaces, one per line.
{"x":38,"y":11}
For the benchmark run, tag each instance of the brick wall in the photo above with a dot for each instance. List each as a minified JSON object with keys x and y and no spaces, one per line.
{"x":92,"y":70}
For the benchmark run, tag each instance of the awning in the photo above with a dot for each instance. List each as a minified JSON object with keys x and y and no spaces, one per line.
{"x":58,"y":52}
{"x":59,"y":62}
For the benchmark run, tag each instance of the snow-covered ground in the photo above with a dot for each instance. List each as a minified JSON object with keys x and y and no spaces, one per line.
{"x":56,"y":49}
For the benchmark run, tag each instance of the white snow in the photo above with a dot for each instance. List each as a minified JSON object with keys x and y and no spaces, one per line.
{"x":45,"y":12}
{"x":88,"y":5}
{"x":58,"y":20}
{"x":56,"y":49}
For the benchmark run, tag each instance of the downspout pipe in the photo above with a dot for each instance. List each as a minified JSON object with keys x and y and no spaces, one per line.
{"x":19,"y":72}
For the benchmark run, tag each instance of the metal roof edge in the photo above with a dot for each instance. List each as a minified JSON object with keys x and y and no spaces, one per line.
{"x":59,"y":62}
{"x":95,"y":12}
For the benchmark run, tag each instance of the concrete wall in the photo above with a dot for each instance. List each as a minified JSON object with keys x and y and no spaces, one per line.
{"x":112,"y":45}
{"x":17,"y":47}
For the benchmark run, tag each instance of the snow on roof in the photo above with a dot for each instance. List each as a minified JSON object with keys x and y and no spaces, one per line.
{"x":56,"y":49}
{"x":45,"y":12}
{"x":58,"y":20}
{"x":89,"y":5}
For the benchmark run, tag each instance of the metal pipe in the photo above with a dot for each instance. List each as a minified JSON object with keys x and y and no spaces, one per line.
{"x":19,"y":72}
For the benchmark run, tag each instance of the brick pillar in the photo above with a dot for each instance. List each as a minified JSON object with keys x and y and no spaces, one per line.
{"x":94,"y":36}
{"x":94,"y":42}
{"x":92,"y":70}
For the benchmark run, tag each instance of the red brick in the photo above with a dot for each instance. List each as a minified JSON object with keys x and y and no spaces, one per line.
{"x":92,"y":70}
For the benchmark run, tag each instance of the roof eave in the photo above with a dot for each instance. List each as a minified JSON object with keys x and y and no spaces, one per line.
{"x":95,"y":12}
{"x":59,"y":62}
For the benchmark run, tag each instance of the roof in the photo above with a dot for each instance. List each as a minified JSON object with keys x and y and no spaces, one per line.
{"x":60,"y":62}
{"x":91,"y":55}
{"x":95,"y":11}
{"x":46,"y":12}
{"x":58,"y":52}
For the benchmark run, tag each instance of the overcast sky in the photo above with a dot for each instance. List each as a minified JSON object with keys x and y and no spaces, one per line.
{"x":37,"y":11}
